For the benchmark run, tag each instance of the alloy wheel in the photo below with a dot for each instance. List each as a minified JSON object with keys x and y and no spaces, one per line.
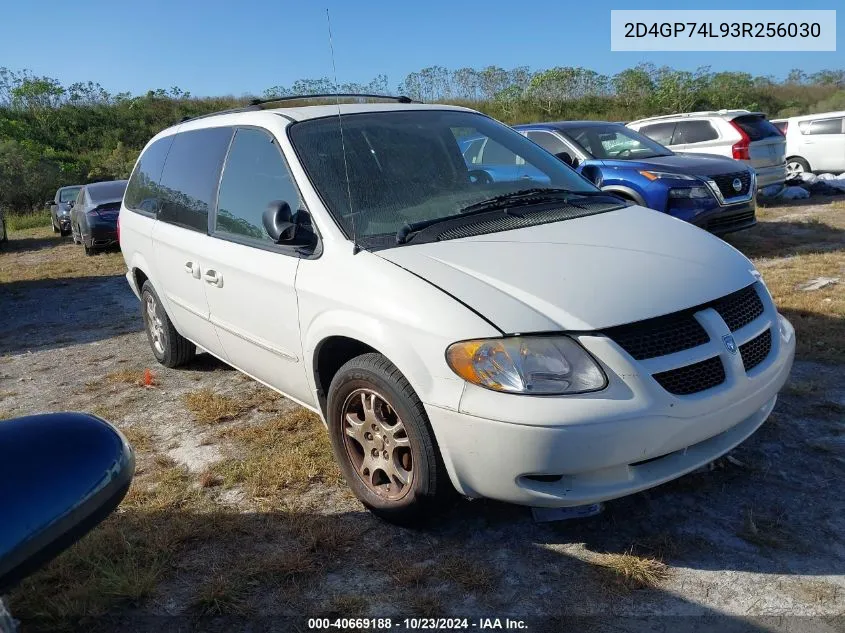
{"x":155,"y":325}
{"x":794,"y":170}
{"x":377,"y":444}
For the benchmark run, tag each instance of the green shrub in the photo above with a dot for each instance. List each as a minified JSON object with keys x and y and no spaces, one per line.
{"x":32,"y":220}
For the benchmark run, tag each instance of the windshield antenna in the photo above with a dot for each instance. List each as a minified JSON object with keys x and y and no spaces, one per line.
{"x":355,"y":247}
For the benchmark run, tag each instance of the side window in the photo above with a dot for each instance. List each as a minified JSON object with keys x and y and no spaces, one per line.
{"x":255,"y":174}
{"x":142,"y":192}
{"x":660,"y":132}
{"x":190,"y":176}
{"x":826,"y":126}
{"x":548,"y":142}
{"x":472,"y":150}
{"x":496,"y":154}
{"x":694,"y":132}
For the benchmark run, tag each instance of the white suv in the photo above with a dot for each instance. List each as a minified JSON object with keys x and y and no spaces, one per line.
{"x":515,"y":335}
{"x":738,"y":134}
{"x":815,"y":142}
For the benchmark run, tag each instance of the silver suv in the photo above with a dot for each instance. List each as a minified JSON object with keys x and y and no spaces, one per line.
{"x":739,"y":134}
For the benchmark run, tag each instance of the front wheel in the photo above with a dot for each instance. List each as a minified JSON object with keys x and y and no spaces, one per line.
{"x":383,"y":441}
{"x":170,"y":348}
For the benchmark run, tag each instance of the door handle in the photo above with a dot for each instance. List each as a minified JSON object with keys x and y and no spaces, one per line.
{"x":214,"y":278}
{"x":192,"y":269}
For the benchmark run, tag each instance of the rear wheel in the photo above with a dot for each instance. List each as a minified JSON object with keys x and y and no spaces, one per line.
{"x":170,"y":348}
{"x":89,"y":250}
{"x":795,"y":166}
{"x":383,"y":441}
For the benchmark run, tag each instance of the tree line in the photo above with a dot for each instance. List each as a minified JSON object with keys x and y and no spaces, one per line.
{"x":52,"y":135}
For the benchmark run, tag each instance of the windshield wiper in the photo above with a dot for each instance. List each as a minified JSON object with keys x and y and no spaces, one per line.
{"x":407,"y":231}
{"x":528,"y":196}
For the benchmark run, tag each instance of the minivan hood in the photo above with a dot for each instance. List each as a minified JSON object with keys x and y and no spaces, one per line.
{"x":689,"y":164}
{"x":583,"y":274}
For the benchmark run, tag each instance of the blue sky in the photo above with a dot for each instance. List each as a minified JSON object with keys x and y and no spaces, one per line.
{"x":216,"y":48}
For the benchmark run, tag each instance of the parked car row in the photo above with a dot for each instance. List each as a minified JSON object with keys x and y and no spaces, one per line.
{"x":814,"y":143}
{"x":462,"y":309}
{"x":88,"y":213}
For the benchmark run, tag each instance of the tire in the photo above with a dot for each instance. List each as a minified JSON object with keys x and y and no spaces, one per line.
{"x":170,"y":348}
{"x":381,"y":399}
{"x":73,"y":235}
{"x":89,"y":250}
{"x":795,"y":165}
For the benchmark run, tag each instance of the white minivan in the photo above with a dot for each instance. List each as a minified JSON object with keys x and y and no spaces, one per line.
{"x":515,"y":335}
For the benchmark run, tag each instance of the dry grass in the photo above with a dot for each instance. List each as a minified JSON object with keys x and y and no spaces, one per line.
{"x":286,"y":453}
{"x":814,"y":592}
{"x":629,"y":571}
{"x":346,"y":606}
{"x":125,"y":376}
{"x":139,"y":438}
{"x":209,"y":407}
{"x":765,"y":529}
{"x":790,"y":251}
{"x":467,"y":572}
{"x":35,"y":254}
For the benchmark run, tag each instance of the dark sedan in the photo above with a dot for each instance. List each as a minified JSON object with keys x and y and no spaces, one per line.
{"x":60,"y":208}
{"x":94,"y":214}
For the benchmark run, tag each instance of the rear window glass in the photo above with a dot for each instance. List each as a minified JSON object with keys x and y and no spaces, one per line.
{"x":781,"y":125}
{"x":105,"y":191}
{"x":694,"y":132}
{"x":660,"y":132}
{"x":142,"y":192}
{"x":190,"y":176}
{"x":756,"y":127}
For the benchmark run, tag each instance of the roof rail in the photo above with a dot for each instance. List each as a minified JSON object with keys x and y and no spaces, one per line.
{"x":255,"y":104}
{"x":680,"y":115}
{"x":329,"y":95}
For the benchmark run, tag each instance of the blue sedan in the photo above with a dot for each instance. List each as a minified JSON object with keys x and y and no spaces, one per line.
{"x":713,"y":192}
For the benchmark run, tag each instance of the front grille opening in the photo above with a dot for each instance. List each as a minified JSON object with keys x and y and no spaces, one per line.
{"x":727,"y":221}
{"x":693,"y":378}
{"x":659,"y":336}
{"x":549,"y":479}
{"x":756,"y":350}
{"x":739,"y":308}
{"x":725,"y":183}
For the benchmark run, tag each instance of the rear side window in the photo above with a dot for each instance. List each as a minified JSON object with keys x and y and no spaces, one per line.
{"x":694,"y":132}
{"x":255,"y":175}
{"x":781,"y":125}
{"x":756,"y":127}
{"x":190,"y":176}
{"x":142,"y":193}
{"x":660,"y":132}
{"x":825,"y":126}
{"x":548,"y":142}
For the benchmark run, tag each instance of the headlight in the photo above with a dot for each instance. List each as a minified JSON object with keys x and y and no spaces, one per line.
{"x":541,"y":365}
{"x":656,"y":175}
{"x":689,"y":192}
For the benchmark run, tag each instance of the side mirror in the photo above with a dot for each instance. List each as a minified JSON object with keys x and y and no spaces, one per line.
{"x":70,"y":204}
{"x":279,"y":222}
{"x":566,"y":158}
{"x":49,"y":203}
{"x":64,"y":473}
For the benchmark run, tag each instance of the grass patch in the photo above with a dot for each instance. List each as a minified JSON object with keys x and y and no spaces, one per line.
{"x":286,"y":453}
{"x":139,"y":438}
{"x":765,"y":530}
{"x":31,"y":220}
{"x":466,"y":572}
{"x":789,"y":252}
{"x":126,"y":377}
{"x":209,"y":407}
{"x":630,"y":571}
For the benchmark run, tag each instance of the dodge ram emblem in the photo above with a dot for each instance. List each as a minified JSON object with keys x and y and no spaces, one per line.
{"x":730,"y":343}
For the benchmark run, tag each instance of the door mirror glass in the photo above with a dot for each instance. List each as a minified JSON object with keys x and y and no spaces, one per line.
{"x":65,"y":472}
{"x":279,"y":222}
{"x":70,"y":204}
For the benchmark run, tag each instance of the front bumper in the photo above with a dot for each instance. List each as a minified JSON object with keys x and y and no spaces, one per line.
{"x":568,"y":451}
{"x":64,"y":222}
{"x":722,"y":220}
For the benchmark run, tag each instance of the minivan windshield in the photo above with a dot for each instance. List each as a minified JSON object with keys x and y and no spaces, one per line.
{"x":417,"y":167}
{"x":613,"y":141}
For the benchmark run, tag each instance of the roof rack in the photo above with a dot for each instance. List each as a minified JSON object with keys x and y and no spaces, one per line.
{"x":255,"y":104}
{"x":681,"y":115}
{"x":329,"y":95}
